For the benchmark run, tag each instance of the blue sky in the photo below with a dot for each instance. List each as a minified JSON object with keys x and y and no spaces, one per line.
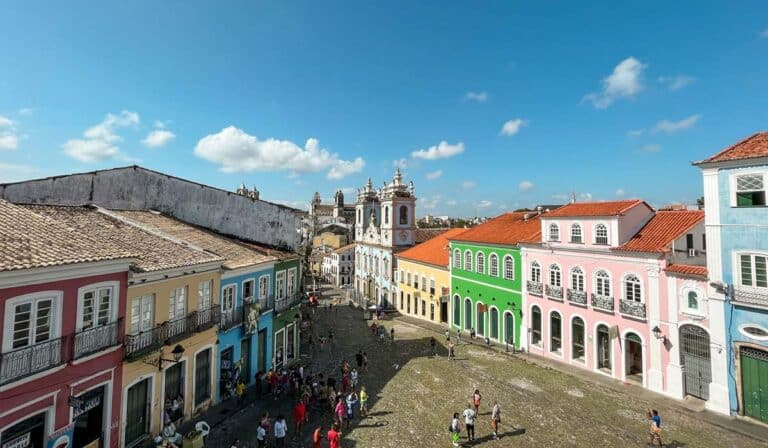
{"x":488,"y":107}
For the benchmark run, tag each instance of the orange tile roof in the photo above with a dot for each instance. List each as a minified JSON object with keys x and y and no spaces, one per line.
{"x":510,"y":228}
{"x":607,"y":208}
{"x":665,"y":227}
{"x":756,"y":145}
{"x":433,"y":251}
{"x":699,"y":271}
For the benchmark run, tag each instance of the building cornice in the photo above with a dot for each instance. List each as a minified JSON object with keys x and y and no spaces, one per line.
{"x":26,"y":277}
{"x":142,"y":278}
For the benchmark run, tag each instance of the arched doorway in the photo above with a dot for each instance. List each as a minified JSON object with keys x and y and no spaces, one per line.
{"x":457,"y":311}
{"x":467,"y":314}
{"x":509,"y":328}
{"x":695,"y":360}
{"x":603,"y":343}
{"x":493,"y":323}
{"x":633,"y":358}
{"x":481,"y":319}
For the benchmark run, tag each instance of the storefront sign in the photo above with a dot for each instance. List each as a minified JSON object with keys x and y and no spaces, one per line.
{"x":18,"y":442}
{"x":62,"y":438}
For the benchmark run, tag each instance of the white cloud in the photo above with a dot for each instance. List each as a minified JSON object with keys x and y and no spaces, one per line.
{"x":8,"y":141}
{"x":651,"y":148}
{"x":401,"y":163}
{"x":636,"y":132}
{"x":467,"y":184}
{"x":431,"y":203}
{"x":349,"y":190}
{"x":674,"y":126}
{"x":676,"y":82}
{"x":625,"y":82}
{"x":479,"y":97}
{"x":442,"y":151}
{"x":100,"y":142}
{"x":5,"y":122}
{"x":585,"y":196}
{"x":26,"y":111}
{"x":236,"y":151}
{"x":14,"y":173}
{"x":764,"y":33}
{"x":158,"y":138}
{"x":451,"y":202}
{"x":525,"y":185}
{"x":512,"y":127}
{"x":484,"y":204}
{"x":434,"y":174}
{"x":159,"y":124}
{"x":620,"y":192}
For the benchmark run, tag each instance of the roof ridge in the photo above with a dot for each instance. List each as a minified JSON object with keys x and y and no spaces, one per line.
{"x":734,"y":145}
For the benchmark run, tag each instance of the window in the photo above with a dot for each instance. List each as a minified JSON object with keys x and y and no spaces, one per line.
{"x":554,"y":232}
{"x":96,"y":307}
{"x":457,"y":259}
{"x":577,"y":339}
{"x":750,"y":190}
{"x":228,"y":298}
{"x":632,"y":288}
{"x":555,"y":276}
{"x":753,"y":270}
{"x":576,"y":233}
{"x":480,"y":263}
{"x":432,"y":286}
{"x":248,"y":289}
{"x":177,"y":304}
{"x":408,"y":302}
{"x":409,"y":279}
{"x":432,"y":312}
{"x":280,"y":284}
{"x":204,"y":294}
{"x":202,"y":377}
{"x":263,"y":286}
{"x":693,"y":300}
{"x":291,"y":288}
{"x":423,"y":308}
{"x":535,"y":272}
{"x":290,"y":344}
{"x":602,"y":284}
{"x":689,"y":241}
{"x":467,"y":261}
{"x":509,"y":268}
{"x":386,"y":215}
{"x":416,"y":281}
{"x":601,"y":234}
{"x":535,"y":326}
{"x":142,"y":314}
{"x":415,"y":305}
{"x":402,"y":295}
{"x":493,"y":265}
{"x":424,"y":283}
{"x":32,"y":321}
{"x":555,"y":333}
{"x":403,"y":214}
{"x":402,"y":276}
{"x":577,"y":279}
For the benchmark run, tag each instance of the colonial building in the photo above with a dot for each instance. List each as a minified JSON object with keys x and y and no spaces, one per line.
{"x":735,"y":190}
{"x":62,"y":308}
{"x":424,"y":280}
{"x":339,"y":266}
{"x":385,"y":223}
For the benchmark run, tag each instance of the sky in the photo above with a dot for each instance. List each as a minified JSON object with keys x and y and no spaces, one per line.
{"x":486,"y":106}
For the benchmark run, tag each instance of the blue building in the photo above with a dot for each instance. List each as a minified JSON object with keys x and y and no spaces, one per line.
{"x":735,"y":190}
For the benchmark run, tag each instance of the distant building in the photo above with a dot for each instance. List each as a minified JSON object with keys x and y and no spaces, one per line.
{"x":338,"y":266}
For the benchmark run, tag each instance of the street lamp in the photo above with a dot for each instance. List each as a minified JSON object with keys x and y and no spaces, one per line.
{"x":657,"y":334}
{"x":177,"y":352}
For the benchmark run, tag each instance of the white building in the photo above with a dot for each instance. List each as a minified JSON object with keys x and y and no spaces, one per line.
{"x":339,"y":266}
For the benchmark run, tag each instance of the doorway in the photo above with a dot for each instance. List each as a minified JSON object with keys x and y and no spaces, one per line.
{"x":467,"y":314}
{"x":509,"y":328}
{"x":444,"y":312}
{"x":89,"y":423}
{"x":137,"y":413}
{"x":245,"y":360}
{"x":603,"y":349}
{"x":262,"y":360}
{"x":29,"y":433}
{"x":225,"y":373}
{"x":633,"y":358}
{"x":754,"y":382}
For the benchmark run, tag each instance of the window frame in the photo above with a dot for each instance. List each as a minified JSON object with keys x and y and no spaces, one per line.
{"x":734,"y":191}
{"x":576,"y":230}
{"x":511,"y":276}
{"x":112,"y":311}
{"x":552,"y":315}
{"x":224,"y":298}
{"x":553,"y":233}
{"x":457,"y":258}
{"x":535,"y":271}
{"x":201,"y":300}
{"x":583,"y":357}
{"x":468,"y":259}
{"x":266,"y":293}
{"x":480,"y":262}
{"x":535,"y":309}
{"x":636,"y":292}
{"x":54,"y":325}
{"x":596,"y":230}
{"x":577,"y":270}
{"x":739,"y":274}
{"x":493,"y":265}
{"x":151,"y":299}
{"x":173,"y":303}
{"x":596,"y":279}
{"x":555,"y":270}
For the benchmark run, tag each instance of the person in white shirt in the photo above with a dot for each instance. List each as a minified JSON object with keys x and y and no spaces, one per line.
{"x":469,"y":421}
{"x":353,"y":375}
{"x":280,"y":429}
{"x":261,"y":436}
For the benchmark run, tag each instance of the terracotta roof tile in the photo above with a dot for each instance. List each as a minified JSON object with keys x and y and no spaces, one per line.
{"x":423,"y":235}
{"x":607,"y":208}
{"x":684,"y":269}
{"x":510,"y":228}
{"x":755,"y":145}
{"x":154,"y":252}
{"x":433,"y":251}
{"x":665,"y":227}
{"x":235,"y":255}
{"x":29,"y":240}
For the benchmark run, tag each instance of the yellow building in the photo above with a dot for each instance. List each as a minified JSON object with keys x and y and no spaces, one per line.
{"x":424,"y":279}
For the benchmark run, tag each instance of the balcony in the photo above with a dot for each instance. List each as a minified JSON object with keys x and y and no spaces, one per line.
{"x":604,"y":303}
{"x":534,"y":288}
{"x":287,"y":302}
{"x":29,"y":360}
{"x":752,"y":296}
{"x":554,"y":292}
{"x":229,"y":319}
{"x":137,"y":345}
{"x":577,"y":297}
{"x":92,"y":340}
{"x":632,"y":308}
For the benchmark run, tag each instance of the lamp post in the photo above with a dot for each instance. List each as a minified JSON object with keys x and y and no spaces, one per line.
{"x":657,"y":334}
{"x":177,"y":352}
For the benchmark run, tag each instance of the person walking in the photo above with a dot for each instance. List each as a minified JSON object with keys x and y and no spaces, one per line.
{"x":333,"y":436}
{"x":432,"y":343}
{"x":458,"y":336}
{"x":280,"y":430}
{"x":353,"y":376}
{"x":352,"y":400}
{"x":469,"y":422}
{"x":322,"y":343}
{"x":447,"y":336}
{"x":476,"y":397}
{"x":451,"y":353}
{"x":240,"y":389}
{"x":340,"y":410}
{"x":392,"y":334}
{"x":455,"y":428}
{"x":261,"y":437}
{"x":317,"y":437}
{"x":495,"y":419}
{"x":359,"y":359}
{"x":299,"y":415}
{"x":363,"y":402}
{"x":655,"y":427}
{"x":365,"y":361}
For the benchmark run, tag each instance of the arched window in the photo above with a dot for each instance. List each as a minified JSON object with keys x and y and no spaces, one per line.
{"x":555,"y":276}
{"x":632,"y":290}
{"x":403,"y":214}
{"x":602,"y":284}
{"x":576,"y":233}
{"x":601,"y":234}
{"x":535,"y":325}
{"x":554,"y":232}
{"x":555,"y":332}
{"x":535,"y":272}
{"x":509,"y":268}
{"x":493,"y":265}
{"x":693,"y":300}
{"x":480,"y":310}
{"x":467,"y":261}
{"x":577,"y":279}
{"x":457,"y":259}
{"x":577,"y":339}
{"x":480,"y":263}
{"x":493,"y":323}
{"x":386,"y":215}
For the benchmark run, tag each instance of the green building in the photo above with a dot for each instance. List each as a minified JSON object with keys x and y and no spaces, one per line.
{"x":486,"y":276}
{"x":286,"y":321}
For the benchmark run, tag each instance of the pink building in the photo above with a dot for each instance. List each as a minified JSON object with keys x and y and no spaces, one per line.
{"x":62,"y":300}
{"x":607,"y":287}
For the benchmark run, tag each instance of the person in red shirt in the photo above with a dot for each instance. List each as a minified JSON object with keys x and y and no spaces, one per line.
{"x":299,"y":414}
{"x":333,"y":436}
{"x":317,"y":437}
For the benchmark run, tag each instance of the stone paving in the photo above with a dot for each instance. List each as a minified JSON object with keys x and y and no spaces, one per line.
{"x":413,"y":396}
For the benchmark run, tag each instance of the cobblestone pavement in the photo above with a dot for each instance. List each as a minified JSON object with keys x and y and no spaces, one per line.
{"x":414,"y":395}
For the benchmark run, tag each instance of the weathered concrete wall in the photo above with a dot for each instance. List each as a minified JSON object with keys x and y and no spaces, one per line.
{"x":136,"y":188}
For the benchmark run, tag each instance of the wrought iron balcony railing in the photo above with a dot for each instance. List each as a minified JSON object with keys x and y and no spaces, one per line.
{"x":92,"y":340}
{"x":282,"y":304}
{"x":604,"y":303}
{"x":754,"y":296}
{"x":632,"y":308}
{"x":578,"y":297}
{"x":231,"y":318}
{"x":534,"y":287}
{"x":554,"y":292}
{"x":29,"y":360}
{"x":139,"y":344}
